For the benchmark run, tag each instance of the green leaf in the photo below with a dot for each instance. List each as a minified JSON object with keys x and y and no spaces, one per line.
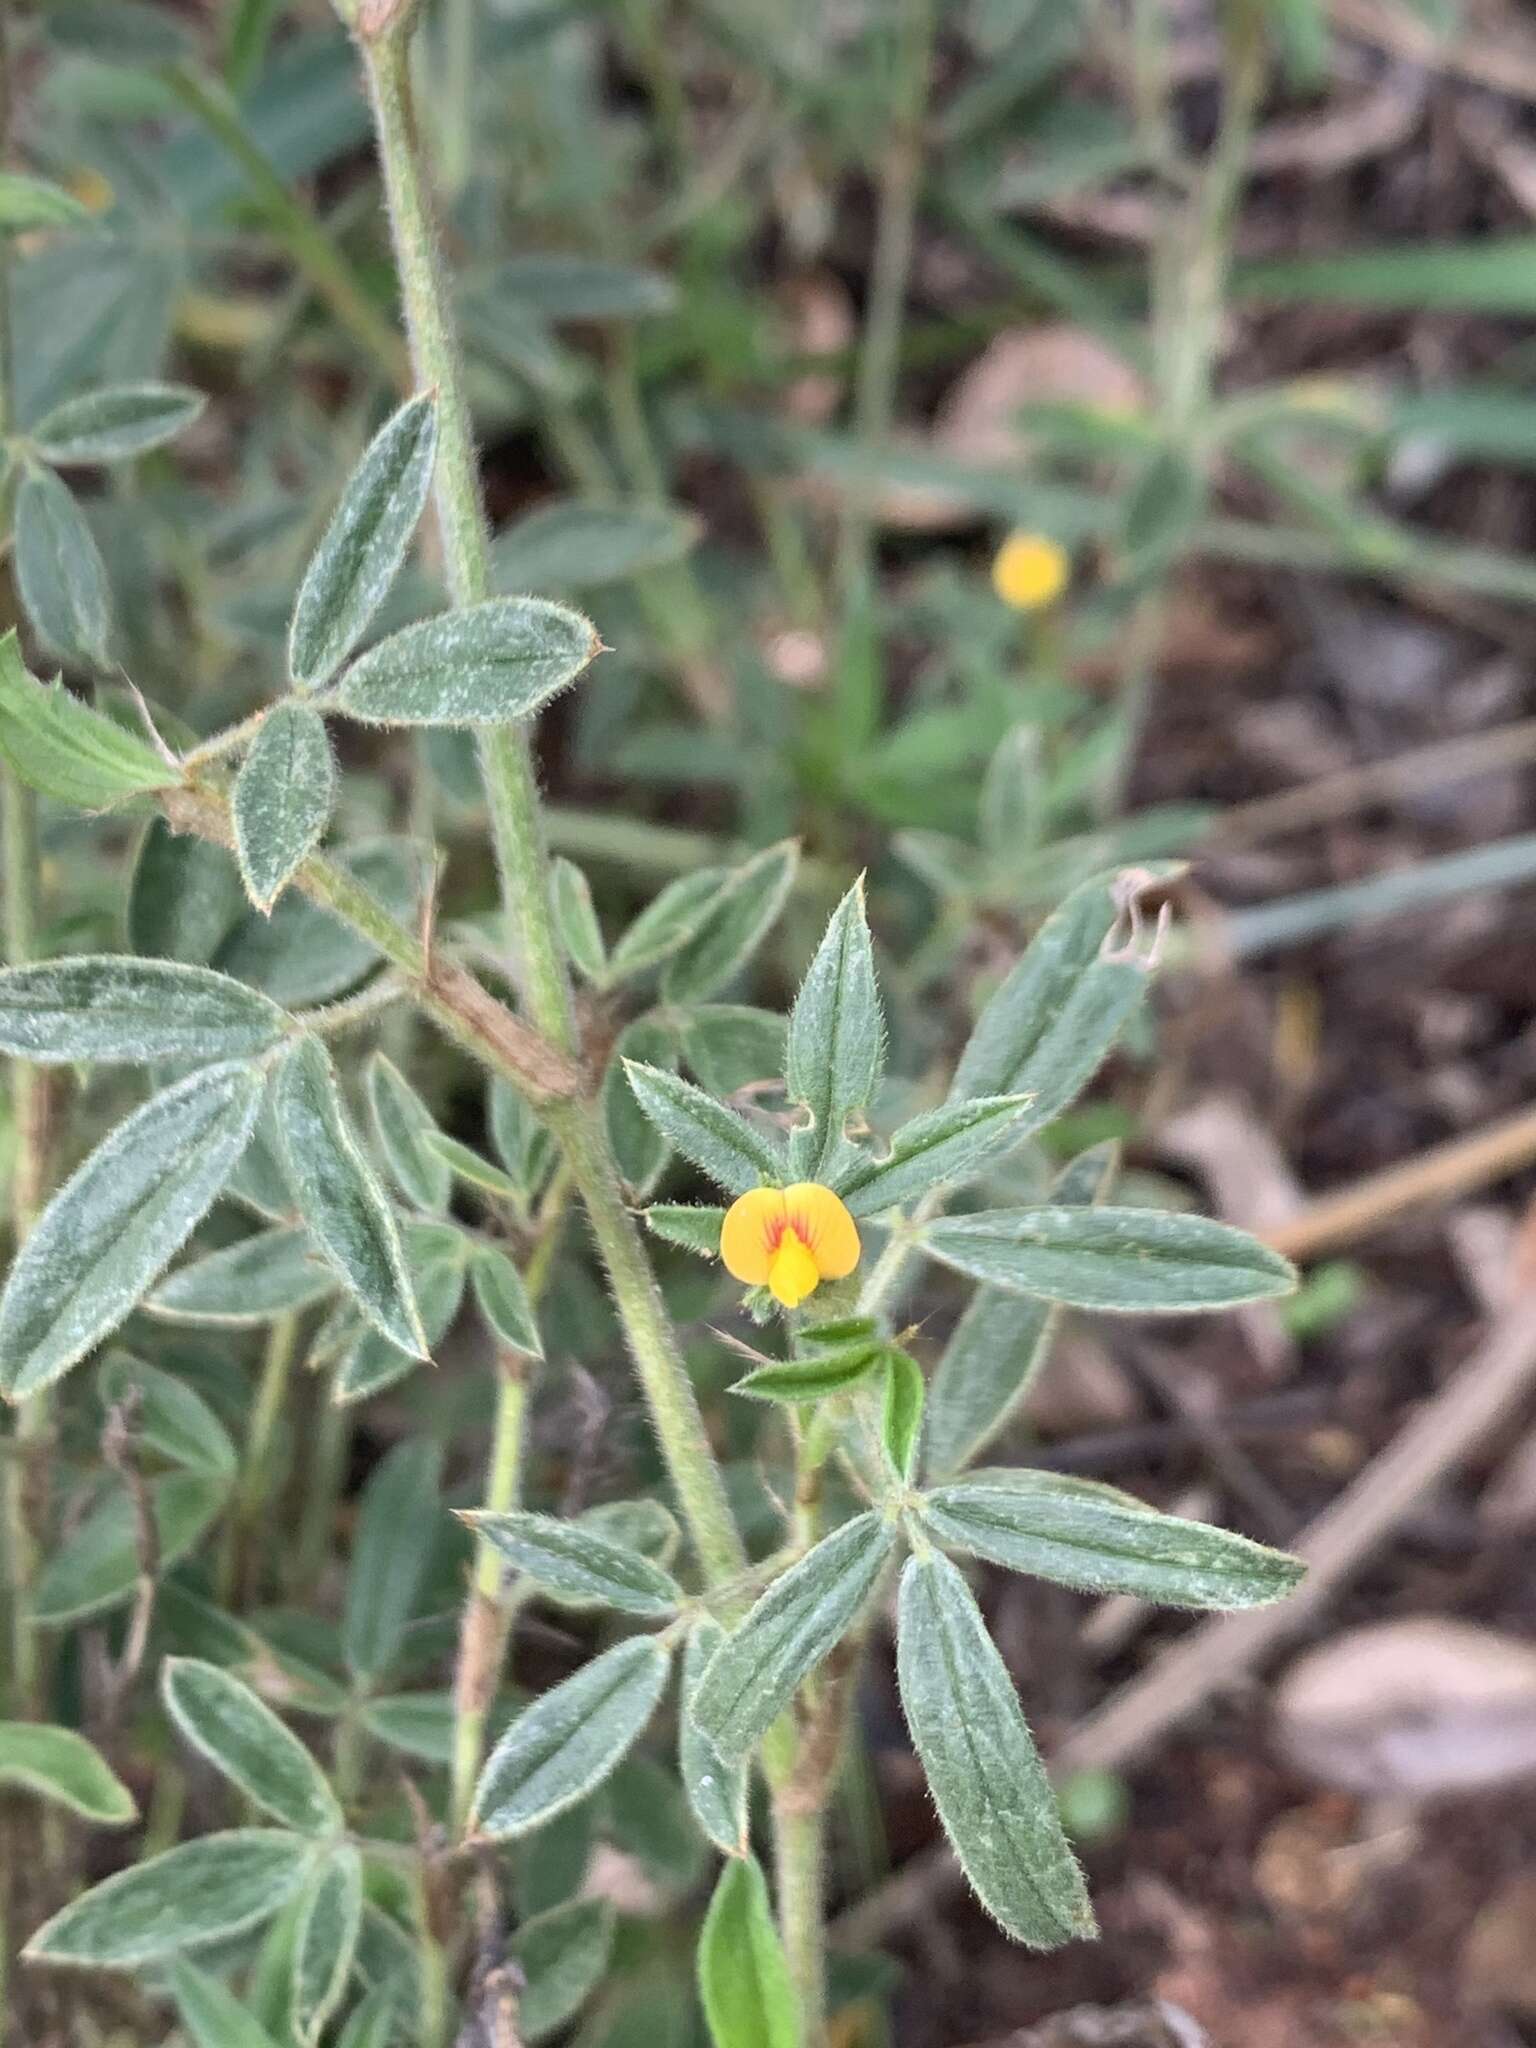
{"x":688,"y":1224}
{"x":731,"y":1045}
{"x":339,"y":1196}
{"x":374,"y":2023}
{"x":567,"y":1742}
{"x":283,"y":798}
{"x":486,"y":664}
{"x":362,"y":548}
{"x":645,"y":1525}
{"x":184,"y":897}
{"x":396,"y":1526}
{"x":106,"y":1006}
{"x":465,"y":1163}
{"x":60,"y":575}
{"x":569,"y":545}
{"x":744,"y":1980}
{"x":62,"y":749}
{"x":242,"y":1737}
{"x":168,"y":1416}
{"x":28,"y":203}
{"x":901,"y":1420}
{"x":374,"y":1362}
{"x":404,"y":1127}
{"x":1104,"y":1542}
{"x":576,"y":919}
{"x":1135,"y":1261}
{"x":212,"y":2016}
{"x":275,"y":1273}
{"x":97,"y":1566}
{"x":946,"y":1146}
{"x":738,"y":919}
{"x":1054,"y":1018}
{"x":813,"y":1379}
{"x":503,"y":1301}
{"x":117,"y":423}
{"x":301,"y":954}
{"x":717,"y":1140}
{"x":996,"y":1350}
{"x":563,"y":1956}
{"x":717,"y":1791}
{"x":564,"y":287}
{"x":330,"y":1920}
{"x":119,"y":1220}
{"x":58,"y":1764}
{"x":1489,"y":275}
{"x":522,"y":1145}
{"x":981,"y":1763}
{"x":667,"y":923}
{"x":800,"y":1618}
{"x":199,"y":1892}
{"x":577,"y":1565}
{"x":836,"y":1038}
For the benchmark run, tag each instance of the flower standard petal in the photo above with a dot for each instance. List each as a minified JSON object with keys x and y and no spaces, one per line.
{"x":824,"y":1223}
{"x":750,"y":1235}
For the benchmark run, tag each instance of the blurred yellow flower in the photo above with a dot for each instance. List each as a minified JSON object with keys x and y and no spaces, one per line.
{"x":789,"y":1240}
{"x":1030,"y":571}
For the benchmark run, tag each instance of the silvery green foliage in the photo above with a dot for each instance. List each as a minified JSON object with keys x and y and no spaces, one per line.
{"x":569,"y":545}
{"x":201,"y":1892}
{"x":744,"y":1981}
{"x":996,"y":1350}
{"x":503,"y":1301}
{"x":737,"y":917}
{"x":59,"y":1765}
{"x":667,"y":923}
{"x":330,"y":1919}
{"x":399,"y":1515}
{"x":1132,"y":1261}
{"x":169,"y":1417}
{"x":836,"y":1039}
{"x":98,"y":1566}
{"x":717,"y":1140}
{"x":361,"y":550}
{"x":564,"y":287}
{"x":717,"y":1791}
{"x":981,"y":1763}
{"x":60,"y":574}
{"x":568,"y":1741}
{"x":113,"y":1007}
{"x":944,"y":1148}
{"x":487,"y":664}
{"x":576,"y":916}
{"x":1093,"y":1537}
{"x":213,"y":2017}
{"x":62,"y":749}
{"x":563,"y":1957}
{"x":242,"y":1737}
{"x":405,"y":1128}
{"x":115,"y":423}
{"x":283,"y":798}
{"x":271,"y":1273}
{"x":577,"y":1564}
{"x":119,"y":1221}
{"x":339,"y":1197}
{"x":797,"y":1622}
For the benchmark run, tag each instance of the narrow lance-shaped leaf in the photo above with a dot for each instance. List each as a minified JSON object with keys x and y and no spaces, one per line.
{"x":395,"y":1527}
{"x":362,"y":548}
{"x":1136,"y":1261}
{"x":405,"y":1128}
{"x":940,"y":1149}
{"x":241,"y":1736}
{"x":577,"y":1564}
{"x":717,"y":1791}
{"x":503,"y":1301}
{"x":105,"y":1006}
{"x":1103,"y":1541}
{"x":996,"y":1350}
{"x":275,"y":1273}
{"x":576,"y":917}
{"x":981,"y":1763}
{"x":119,"y":1220}
{"x":283,"y":798}
{"x":200,"y":1892}
{"x":691,"y":1225}
{"x":836,"y":1037}
{"x":717,"y":1140}
{"x":744,"y":1982}
{"x":901,"y":1419}
{"x":60,"y":574}
{"x":667,"y":923}
{"x":486,"y":664}
{"x":339,"y":1196}
{"x":61,"y":1766}
{"x":62,"y":749}
{"x":737,"y":920}
{"x":567,"y":1742}
{"x":212,"y":2016}
{"x":169,"y":1417}
{"x":571,"y":545}
{"x":563,"y":1956}
{"x":117,"y":423}
{"x":99,"y":1565}
{"x":800,"y":1618}
{"x":330,"y":1918}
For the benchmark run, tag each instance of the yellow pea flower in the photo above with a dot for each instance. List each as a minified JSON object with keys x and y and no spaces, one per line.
{"x":789,"y":1240}
{"x":1030,"y":571}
